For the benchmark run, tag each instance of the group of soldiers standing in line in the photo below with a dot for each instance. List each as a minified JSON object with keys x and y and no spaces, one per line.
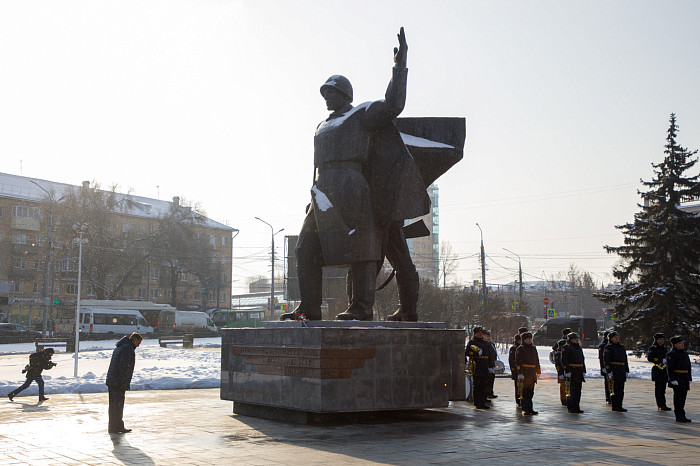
{"x":670,"y":368}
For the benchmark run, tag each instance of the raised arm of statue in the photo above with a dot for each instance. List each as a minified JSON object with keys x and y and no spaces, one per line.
{"x":382,"y":112}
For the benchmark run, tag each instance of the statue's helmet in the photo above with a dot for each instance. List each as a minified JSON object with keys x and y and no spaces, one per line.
{"x":340,"y":84}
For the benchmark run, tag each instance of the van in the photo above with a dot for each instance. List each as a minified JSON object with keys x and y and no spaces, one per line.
{"x":550,"y":332}
{"x":113,"y":321}
{"x":170,"y":322}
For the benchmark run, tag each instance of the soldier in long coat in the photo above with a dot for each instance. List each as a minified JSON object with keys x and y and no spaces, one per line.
{"x":679,"y":375}
{"x":617,"y":368}
{"x":574,"y":366}
{"x":657,"y":356}
{"x":353,"y":199}
{"x":528,"y":365}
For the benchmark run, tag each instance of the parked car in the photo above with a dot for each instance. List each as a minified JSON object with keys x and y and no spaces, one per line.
{"x":17,"y":330}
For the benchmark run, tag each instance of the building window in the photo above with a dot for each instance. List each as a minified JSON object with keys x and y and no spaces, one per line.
{"x":142,"y":293}
{"x":168,"y":294}
{"x":224,"y":241}
{"x":156,"y":274}
{"x":212,"y":240}
{"x":17,"y":286}
{"x":20,"y":238}
{"x":183,"y":277}
{"x":72,"y":289}
{"x":183,"y":294}
{"x":37,"y":288}
{"x":222,"y":297}
{"x":197,"y":296}
{"x":19,"y":263}
{"x":69,"y":264}
{"x":154,"y":293}
{"x":2,"y":212}
{"x":92,"y":291}
{"x":21,"y":211}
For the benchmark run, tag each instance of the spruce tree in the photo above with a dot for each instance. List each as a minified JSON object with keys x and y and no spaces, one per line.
{"x":660,"y":277}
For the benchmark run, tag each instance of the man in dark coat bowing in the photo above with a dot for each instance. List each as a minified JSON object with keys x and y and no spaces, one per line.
{"x":121,"y":369}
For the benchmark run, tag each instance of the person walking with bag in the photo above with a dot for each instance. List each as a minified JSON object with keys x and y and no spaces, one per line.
{"x":37,"y":363}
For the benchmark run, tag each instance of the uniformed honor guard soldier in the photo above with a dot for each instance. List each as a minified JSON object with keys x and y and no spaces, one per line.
{"x":528,"y":366}
{"x":513,"y":369}
{"x":657,"y":355}
{"x":556,"y":349}
{"x":493,"y":356}
{"x":601,"y":350}
{"x":477,"y":352}
{"x":679,"y":376}
{"x":572,"y":361}
{"x":616,"y":367}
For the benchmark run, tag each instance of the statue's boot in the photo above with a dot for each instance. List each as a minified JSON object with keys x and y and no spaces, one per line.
{"x":408,"y":283}
{"x":363,"y":278}
{"x":310,"y":287}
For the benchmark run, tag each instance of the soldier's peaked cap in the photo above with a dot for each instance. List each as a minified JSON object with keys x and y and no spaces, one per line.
{"x":572,"y":335}
{"x":613,"y":334}
{"x":522,"y":330}
{"x":526,"y":335}
{"x":566,"y":331}
{"x":478,"y":329}
{"x":340,"y":84}
{"x":659,"y":335}
{"x":676,"y":339}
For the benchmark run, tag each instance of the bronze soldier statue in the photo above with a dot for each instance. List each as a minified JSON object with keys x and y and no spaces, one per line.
{"x":365,"y":185}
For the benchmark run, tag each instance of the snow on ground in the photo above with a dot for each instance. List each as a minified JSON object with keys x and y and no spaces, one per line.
{"x":156,"y":368}
{"x":200,"y":367}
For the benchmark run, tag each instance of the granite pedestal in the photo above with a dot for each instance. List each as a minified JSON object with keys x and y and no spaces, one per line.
{"x":294,"y":371}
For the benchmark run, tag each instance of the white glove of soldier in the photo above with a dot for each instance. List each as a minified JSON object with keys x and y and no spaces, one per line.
{"x":674,"y":383}
{"x":627,"y":374}
{"x":568,"y":374}
{"x":663,"y":361}
{"x":521,"y":376}
{"x":491,"y":370}
{"x":603,"y":371}
{"x":480,"y":351}
{"x":561,"y":377}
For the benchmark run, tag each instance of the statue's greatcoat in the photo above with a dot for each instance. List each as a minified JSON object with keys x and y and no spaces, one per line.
{"x":366,"y":178}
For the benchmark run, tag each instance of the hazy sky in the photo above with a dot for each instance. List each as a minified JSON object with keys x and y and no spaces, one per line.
{"x":567,"y":105}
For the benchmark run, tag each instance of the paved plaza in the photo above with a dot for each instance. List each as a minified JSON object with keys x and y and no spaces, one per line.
{"x":196,"y":427}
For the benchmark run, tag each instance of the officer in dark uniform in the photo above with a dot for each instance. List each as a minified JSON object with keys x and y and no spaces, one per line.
{"x":513,"y":369}
{"x":616,"y":367}
{"x":679,"y":376}
{"x":493,"y":355}
{"x":528,"y":365}
{"x":556,"y":349}
{"x":657,"y":355}
{"x":601,"y":349}
{"x":477,"y":350}
{"x":572,"y":361}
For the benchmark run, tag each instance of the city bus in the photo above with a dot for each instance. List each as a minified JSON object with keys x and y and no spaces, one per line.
{"x":238,"y":318}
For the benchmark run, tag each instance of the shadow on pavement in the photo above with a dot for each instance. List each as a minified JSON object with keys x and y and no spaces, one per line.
{"x":127,"y":454}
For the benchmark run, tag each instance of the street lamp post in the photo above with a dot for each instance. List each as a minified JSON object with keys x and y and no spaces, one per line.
{"x":520,"y":276}
{"x":272,"y":280}
{"x":80,"y":229}
{"x":47,"y":267}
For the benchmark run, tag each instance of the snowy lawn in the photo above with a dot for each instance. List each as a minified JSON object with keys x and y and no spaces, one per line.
{"x":156,"y":368}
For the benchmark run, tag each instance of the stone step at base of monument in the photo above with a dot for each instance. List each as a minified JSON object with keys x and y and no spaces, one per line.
{"x":293,"y":416}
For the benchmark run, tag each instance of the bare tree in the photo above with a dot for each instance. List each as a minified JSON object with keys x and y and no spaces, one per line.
{"x":448,"y":262}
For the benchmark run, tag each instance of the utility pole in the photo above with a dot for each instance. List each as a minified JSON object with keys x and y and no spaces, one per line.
{"x":483,"y":266}
{"x":272,"y":256}
{"x":520,"y":277}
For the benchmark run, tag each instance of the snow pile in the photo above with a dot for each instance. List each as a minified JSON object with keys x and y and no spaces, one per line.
{"x":156,"y":368}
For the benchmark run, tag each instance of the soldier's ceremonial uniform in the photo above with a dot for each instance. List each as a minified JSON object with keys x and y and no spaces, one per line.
{"x":657,"y":355}
{"x":556,"y":349}
{"x":572,"y":361}
{"x":528,"y":366}
{"x":477,"y":350}
{"x":679,"y":376}
{"x":601,"y":349}
{"x":617,"y":368}
{"x":513,"y":368}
